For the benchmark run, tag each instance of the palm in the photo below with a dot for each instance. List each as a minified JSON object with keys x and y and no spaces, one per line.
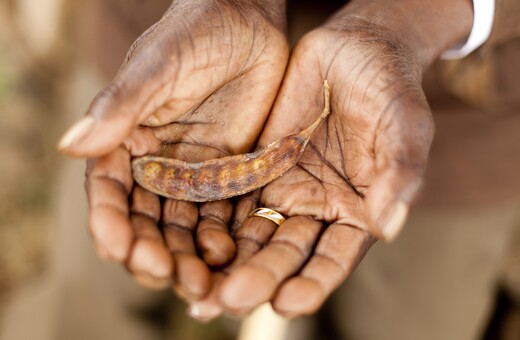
{"x":218,"y":71}
{"x":329,"y":180}
{"x":373,"y":102}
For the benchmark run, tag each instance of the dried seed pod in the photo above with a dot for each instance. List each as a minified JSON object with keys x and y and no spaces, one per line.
{"x":224,"y":177}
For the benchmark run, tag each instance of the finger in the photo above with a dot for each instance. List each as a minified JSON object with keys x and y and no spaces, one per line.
{"x":252,"y":236}
{"x":208,"y":308}
{"x":401,"y":151}
{"x":256,"y":281}
{"x":108,"y":183}
{"x":149,"y":261}
{"x":142,"y":141}
{"x":243,"y":208}
{"x":192,"y":275}
{"x":339,"y":250}
{"x":213,"y":238}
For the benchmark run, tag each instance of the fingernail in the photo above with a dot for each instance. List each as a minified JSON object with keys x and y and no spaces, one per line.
{"x":76,"y":132}
{"x":204,"y":313}
{"x":392,"y":222}
{"x":194,"y":311}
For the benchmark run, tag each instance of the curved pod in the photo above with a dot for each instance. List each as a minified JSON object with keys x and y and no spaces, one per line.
{"x":224,"y":177}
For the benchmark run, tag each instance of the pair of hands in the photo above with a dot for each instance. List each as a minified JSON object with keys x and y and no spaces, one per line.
{"x":211,"y":79}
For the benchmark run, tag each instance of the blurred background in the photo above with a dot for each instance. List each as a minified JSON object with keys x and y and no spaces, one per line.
{"x":33,"y":65}
{"x":55,"y":55}
{"x":52,"y":63}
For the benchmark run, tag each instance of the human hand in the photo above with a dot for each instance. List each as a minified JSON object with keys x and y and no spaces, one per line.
{"x":360,"y":172}
{"x":206,"y":67}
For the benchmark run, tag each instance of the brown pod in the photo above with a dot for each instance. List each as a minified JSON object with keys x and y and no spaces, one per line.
{"x":224,"y":177}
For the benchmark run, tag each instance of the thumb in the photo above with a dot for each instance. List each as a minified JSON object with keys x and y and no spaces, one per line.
{"x":152,"y":72}
{"x":135,"y":93}
{"x":107,"y":123}
{"x":401,"y":155}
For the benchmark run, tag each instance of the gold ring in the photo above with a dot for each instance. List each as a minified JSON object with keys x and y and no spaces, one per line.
{"x":270,"y":214}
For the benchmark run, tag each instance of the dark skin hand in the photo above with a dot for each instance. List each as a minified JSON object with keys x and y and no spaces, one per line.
{"x":364,"y":166}
{"x":206,"y":67}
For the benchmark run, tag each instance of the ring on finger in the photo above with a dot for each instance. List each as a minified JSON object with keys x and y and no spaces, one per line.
{"x":269,"y":214}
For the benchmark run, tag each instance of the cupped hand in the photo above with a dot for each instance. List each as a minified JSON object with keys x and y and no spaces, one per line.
{"x":355,"y":181}
{"x":197,"y":85}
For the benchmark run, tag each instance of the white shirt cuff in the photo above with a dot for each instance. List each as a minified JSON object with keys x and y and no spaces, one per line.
{"x":483,"y":14}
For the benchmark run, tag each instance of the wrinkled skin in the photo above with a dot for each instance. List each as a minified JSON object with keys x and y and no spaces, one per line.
{"x":366,"y":159}
{"x":354,"y":183}
{"x":364,"y":167}
{"x":352,"y":186}
{"x":204,"y":68}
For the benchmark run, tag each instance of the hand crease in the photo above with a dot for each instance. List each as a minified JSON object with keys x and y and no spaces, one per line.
{"x":344,"y":177}
{"x":136,"y":212}
{"x":107,"y":176}
{"x":329,"y":259}
{"x":301,"y":166}
{"x":179,"y":227}
{"x":360,"y":73}
{"x":241,"y":238}
{"x":110,"y":206}
{"x":269,"y":270}
{"x":221,"y":228}
{"x":291,"y":245}
{"x":213,"y":217}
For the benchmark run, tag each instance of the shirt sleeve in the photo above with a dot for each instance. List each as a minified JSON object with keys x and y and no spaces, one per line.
{"x":483,"y":14}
